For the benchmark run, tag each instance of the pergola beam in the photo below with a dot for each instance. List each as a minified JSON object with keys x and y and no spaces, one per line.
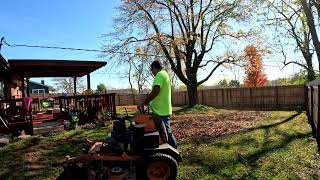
{"x":88,"y":81}
{"x":28,"y":87}
{"x":75,"y":85}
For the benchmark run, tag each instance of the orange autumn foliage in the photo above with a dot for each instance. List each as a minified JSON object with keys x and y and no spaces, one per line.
{"x":255,"y":77}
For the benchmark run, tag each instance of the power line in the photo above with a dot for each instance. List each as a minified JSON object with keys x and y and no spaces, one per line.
{"x":72,"y":49}
{"x":3,"y":42}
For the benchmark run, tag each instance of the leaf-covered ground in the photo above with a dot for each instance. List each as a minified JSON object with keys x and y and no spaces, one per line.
{"x":218,"y":123}
{"x":216,"y":144}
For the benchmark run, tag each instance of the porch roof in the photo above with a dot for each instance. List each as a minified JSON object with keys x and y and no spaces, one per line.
{"x":3,"y":65}
{"x":54,"y":68}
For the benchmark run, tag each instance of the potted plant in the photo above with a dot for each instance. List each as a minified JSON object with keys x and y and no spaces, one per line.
{"x":74,"y":119}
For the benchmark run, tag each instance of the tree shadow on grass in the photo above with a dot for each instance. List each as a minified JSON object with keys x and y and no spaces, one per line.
{"x":216,"y":165}
{"x":209,"y":139}
{"x":47,"y":151}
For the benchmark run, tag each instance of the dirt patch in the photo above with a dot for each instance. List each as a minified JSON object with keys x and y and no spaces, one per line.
{"x":208,"y":126}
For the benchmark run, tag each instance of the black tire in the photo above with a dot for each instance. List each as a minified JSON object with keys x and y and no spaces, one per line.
{"x":161,"y":159}
{"x":72,"y":172}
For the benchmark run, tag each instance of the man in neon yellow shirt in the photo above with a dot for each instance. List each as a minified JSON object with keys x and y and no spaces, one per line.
{"x":160,"y":98}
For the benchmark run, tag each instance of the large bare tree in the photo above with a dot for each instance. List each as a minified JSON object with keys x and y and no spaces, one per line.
{"x":66,"y":84}
{"x":185,"y":30}
{"x":290,"y":32}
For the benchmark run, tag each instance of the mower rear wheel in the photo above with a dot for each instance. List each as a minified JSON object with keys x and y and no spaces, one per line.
{"x":161,"y":167}
{"x":72,"y":172}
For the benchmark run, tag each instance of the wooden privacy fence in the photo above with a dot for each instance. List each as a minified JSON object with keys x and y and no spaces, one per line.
{"x":313,"y":109}
{"x":264,"y":98}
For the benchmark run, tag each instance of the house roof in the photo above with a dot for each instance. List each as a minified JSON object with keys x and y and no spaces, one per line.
{"x":40,"y":84}
{"x":54,"y":68}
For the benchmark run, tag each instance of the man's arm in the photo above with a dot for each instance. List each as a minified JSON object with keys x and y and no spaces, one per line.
{"x":155,"y":91}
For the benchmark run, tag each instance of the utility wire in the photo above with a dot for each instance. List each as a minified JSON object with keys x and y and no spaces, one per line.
{"x":3,"y":42}
{"x":73,"y":49}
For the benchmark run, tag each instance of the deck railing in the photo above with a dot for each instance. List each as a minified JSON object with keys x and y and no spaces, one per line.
{"x":88,"y":105}
{"x":13,"y":117}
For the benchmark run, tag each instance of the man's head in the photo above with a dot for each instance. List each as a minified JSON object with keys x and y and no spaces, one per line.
{"x":156,"y":67}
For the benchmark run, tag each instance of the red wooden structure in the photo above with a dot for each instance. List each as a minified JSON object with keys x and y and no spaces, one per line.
{"x":15,"y":72}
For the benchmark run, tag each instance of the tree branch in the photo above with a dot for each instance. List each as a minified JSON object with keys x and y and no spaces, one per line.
{"x":183,"y":32}
{"x":201,"y":66}
{"x":173,"y":66}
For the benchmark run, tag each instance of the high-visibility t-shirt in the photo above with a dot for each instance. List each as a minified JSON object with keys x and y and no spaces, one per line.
{"x":161,"y":104}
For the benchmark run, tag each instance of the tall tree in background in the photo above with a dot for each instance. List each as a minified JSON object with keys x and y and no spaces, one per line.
{"x":65,"y":85}
{"x":255,"y":76}
{"x":102,"y":88}
{"x":185,"y":32}
{"x":291,"y":32}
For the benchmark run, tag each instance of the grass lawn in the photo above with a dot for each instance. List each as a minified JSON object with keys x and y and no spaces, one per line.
{"x":219,"y":144}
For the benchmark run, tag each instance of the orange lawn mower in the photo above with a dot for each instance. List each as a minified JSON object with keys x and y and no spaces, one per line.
{"x":139,"y":151}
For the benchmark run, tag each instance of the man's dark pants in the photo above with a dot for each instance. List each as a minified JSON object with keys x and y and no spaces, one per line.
{"x":171,"y":139}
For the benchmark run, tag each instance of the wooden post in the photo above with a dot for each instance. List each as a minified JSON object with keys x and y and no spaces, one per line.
{"x":23,"y":89}
{"x":6,"y":90}
{"x":75,"y":85}
{"x":88,"y":81}
{"x":231,"y":99}
{"x":114,"y":104}
{"x":134,"y":99}
{"x":28,"y":87}
{"x":185,"y":97}
{"x":318,"y":122}
{"x":251,"y":97}
{"x":312,"y":113}
{"x":202,"y":97}
{"x":277,"y":97}
{"x":306,"y":102}
{"x":222,"y":91}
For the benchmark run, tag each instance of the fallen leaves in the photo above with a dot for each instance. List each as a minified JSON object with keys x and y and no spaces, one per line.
{"x":207,"y":126}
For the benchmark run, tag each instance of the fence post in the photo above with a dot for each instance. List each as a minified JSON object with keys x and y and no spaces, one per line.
{"x":222,"y":90}
{"x":185,"y":97}
{"x":134,"y":99}
{"x":318,"y":122}
{"x":277,"y":96}
{"x":306,"y":102}
{"x":202,"y":99}
{"x":251,"y":98}
{"x":114,"y":104}
{"x":231,"y":99}
{"x":217,"y":99}
{"x":312,"y":113}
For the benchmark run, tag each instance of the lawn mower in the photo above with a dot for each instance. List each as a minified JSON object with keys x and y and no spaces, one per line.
{"x":136,"y":149}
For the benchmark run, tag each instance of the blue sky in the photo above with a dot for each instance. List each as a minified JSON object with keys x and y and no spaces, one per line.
{"x":78,"y":24}
{"x":63,"y":23}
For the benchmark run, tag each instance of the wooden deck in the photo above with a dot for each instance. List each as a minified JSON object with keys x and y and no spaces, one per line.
{"x":14,"y":119}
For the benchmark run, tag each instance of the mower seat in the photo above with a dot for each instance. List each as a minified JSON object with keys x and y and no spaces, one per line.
{"x":153,"y":124}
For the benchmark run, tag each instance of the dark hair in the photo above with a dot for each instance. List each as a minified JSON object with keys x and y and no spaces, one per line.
{"x":156,"y":64}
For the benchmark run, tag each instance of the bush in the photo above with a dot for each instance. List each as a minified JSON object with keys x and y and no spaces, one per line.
{"x":103,"y":117}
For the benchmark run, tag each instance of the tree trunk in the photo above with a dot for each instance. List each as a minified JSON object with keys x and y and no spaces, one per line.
{"x":311,"y":75}
{"x":192,"y":94}
{"x":312,"y":27}
{"x":131,"y":86}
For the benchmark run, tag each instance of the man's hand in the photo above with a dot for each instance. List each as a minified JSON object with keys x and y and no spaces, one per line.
{"x":140,"y":107}
{"x":155,"y":91}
